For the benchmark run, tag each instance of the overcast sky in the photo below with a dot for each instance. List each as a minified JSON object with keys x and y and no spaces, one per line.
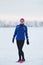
{"x":14,"y":9}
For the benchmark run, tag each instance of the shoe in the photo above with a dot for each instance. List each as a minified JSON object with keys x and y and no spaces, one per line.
{"x":18,"y":60}
{"x":23,"y":60}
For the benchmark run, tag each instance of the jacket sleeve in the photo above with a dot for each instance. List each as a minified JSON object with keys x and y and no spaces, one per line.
{"x":26,"y":33}
{"x":15,"y":33}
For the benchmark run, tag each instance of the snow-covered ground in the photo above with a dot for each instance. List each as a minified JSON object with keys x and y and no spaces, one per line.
{"x":33,"y":52}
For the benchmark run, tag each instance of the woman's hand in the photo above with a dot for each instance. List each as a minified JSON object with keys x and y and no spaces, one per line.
{"x":27,"y":42}
{"x":13,"y":40}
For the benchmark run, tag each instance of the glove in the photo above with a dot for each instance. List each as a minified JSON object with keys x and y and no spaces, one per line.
{"x":27,"y":42}
{"x":13,"y":40}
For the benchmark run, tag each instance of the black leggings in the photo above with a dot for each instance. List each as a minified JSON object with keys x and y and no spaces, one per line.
{"x":20,"y":44}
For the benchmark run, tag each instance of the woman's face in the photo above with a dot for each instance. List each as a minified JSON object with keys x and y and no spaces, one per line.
{"x":22,"y":21}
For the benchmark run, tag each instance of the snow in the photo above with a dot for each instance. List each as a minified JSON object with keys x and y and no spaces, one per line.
{"x":33,"y":52}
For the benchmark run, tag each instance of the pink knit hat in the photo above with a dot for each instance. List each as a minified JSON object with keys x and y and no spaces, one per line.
{"x":22,"y":20}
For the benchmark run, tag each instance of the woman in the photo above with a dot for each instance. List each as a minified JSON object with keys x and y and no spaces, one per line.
{"x":20,"y":33}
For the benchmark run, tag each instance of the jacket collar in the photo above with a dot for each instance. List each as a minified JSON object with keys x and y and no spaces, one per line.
{"x":21,"y":24}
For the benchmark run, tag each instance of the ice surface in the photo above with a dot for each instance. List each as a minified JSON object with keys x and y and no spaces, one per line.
{"x":33,"y":52}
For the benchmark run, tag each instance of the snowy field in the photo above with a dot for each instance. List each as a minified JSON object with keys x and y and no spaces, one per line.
{"x":33,"y":52}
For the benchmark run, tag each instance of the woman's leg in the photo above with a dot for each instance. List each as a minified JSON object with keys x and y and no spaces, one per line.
{"x":22,"y":53}
{"x":20,"y":44}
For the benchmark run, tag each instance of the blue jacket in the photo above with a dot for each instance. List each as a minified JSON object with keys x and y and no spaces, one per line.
{"x":21,"y":32}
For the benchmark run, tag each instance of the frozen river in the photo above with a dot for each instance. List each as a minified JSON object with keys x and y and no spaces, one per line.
{"x":33,"y":52}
